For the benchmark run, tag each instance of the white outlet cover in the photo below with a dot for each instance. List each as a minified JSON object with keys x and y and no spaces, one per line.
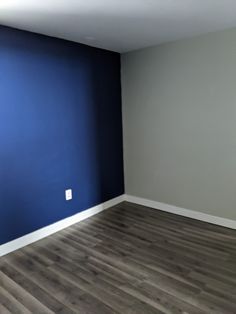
{"x":68,"y":194}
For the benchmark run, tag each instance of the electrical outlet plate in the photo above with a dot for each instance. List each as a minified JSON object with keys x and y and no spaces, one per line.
{"x":68,"y":194}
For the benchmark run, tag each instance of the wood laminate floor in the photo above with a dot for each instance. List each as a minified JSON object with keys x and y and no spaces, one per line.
{"x":128,"y":259}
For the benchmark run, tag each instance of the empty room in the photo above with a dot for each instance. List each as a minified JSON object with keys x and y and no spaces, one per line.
{"x":118,"y":157}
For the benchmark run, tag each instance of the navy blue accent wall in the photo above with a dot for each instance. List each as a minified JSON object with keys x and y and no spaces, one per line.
{"x":60,"y":127}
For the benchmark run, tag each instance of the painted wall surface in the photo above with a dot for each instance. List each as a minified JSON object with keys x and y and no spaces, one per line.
{"x":60,"y":127}
{"x":179,"y":107}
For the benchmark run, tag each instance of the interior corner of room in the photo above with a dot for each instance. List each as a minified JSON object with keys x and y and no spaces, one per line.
{"x":117,"y":157}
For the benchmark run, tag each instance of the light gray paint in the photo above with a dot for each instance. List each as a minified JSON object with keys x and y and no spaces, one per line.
{"x":119,"y":25}
{"x":179,"y":107}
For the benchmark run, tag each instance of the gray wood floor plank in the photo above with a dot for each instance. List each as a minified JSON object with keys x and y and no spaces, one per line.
{"x":12,"y":304}
{"x":42,"y":295}
{"x":4,"y":310}
{"x":22,"y":296}
{"x":129,"y":259}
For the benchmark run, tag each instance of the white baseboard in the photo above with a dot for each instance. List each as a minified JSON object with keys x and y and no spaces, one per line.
{"x":62,"y":224}
{"x":57,"y":226}
{"x":182,"y":211}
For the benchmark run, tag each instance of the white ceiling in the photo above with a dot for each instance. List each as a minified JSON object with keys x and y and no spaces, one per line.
{"x":119,"y":25}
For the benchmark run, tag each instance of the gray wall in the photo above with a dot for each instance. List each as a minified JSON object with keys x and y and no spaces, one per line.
{"x":179,"y":115}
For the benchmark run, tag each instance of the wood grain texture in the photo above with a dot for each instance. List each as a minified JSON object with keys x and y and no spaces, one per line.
{"x":129,"y":259}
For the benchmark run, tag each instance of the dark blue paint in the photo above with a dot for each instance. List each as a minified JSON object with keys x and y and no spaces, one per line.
{"x":60,"y":127}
